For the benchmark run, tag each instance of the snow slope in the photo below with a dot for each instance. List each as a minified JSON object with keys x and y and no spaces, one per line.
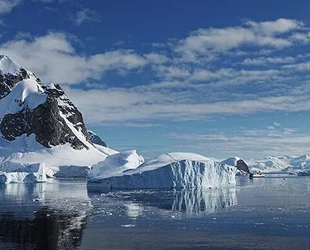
{"x":26,"y":94}
{"x":232,"y":161}
{"x":173,"y":170}
{"x":61,"y":161}
{"x":116,"y":164}
{"x":8,"y":66}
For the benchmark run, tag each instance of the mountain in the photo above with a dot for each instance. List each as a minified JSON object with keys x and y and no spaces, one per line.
{"x":38,"y":122}
{"x":29,"y":107}
{"x":94,"y":138}
{"x":283,"y":164}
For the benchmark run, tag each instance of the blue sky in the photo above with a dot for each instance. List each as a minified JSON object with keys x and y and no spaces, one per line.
{"x":218,"y":78}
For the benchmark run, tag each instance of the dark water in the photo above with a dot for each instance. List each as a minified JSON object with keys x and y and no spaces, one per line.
{"x":269,"y":213}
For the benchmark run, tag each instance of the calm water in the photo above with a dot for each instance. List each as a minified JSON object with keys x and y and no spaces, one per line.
{"x":269,"y":213}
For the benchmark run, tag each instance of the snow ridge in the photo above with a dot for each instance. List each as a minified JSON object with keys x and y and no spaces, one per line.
{"x":8,"y":66}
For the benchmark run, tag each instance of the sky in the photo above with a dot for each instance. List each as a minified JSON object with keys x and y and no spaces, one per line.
{"x":218,"y":78}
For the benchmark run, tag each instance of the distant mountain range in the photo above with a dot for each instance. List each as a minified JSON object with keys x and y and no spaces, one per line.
{"x":283,"y":164}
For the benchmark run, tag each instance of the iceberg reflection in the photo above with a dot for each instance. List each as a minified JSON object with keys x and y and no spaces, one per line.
{"x":190,"y":202}
{"x":201,"y":201}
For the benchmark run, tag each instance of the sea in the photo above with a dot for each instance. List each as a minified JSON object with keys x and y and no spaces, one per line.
{"x":263,"y":213}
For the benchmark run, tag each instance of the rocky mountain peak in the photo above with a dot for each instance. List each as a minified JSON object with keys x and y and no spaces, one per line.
{"x":29,"y":107}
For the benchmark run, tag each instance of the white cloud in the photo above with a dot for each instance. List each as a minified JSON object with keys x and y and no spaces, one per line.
{"x":173,"y":72}
{"x":85,"y":16}
{"x":147,"y":103}
{"x":302,"y":38}
{"x":53,"y":58}
{"x":268,"y":60}
{"x":7,"y":6}
{"x":249,"y":143}
{"x":204,"y":42}
{"x":304,"y":66}
{"x":230,"y":76}
{"x":279,"y":26}
{"x":156,"y":58}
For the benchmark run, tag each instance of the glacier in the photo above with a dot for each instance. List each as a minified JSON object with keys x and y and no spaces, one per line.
{"x":168,"y":171}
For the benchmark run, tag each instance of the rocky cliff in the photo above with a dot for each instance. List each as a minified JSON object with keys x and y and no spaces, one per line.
{"x":29,"y":107}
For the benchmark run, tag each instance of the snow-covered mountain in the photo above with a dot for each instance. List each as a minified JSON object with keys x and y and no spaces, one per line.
{"x":283,"y":164}
{"x":39,"y":123}
{"x":29,"y":107}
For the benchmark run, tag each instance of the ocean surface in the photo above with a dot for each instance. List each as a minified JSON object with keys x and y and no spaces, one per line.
{"x":265,"y":213}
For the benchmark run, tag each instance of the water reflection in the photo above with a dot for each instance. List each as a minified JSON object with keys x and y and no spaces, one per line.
{"x":189,"y":202}
{"x":43,"y":216}
{"x":201,"y":201}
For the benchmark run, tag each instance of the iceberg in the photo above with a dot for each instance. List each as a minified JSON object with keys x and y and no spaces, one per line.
{"x":168,"y":171}
{"x":115,"y":165}
{"x":24,"y":177}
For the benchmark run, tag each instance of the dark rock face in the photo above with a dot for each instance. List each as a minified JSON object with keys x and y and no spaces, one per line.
{"x":8,"y":81}
{"x":94,"y":138}
{"x":242,"y":166}
{"x":54,"y":122}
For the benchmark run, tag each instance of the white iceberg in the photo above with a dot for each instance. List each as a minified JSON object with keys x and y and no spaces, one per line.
{"x":24,"y":177}
{"x":173,"y":170}
{"x":115,"y":165}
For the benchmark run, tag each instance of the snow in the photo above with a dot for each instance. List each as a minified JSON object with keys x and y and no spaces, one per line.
{"x":26,"y":94}
{"x":173,"y":170}
{"x":76,"y":132}
{"x":61,"y":161}
{"x":104,"y":150}
{"x":232,"y":161}
{"x":282,"y":164}
{"x":8,"y":66}
{"x":169,"y":158}
{"x":115,"y":165}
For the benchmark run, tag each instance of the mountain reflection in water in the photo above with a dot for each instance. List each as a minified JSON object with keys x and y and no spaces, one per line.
{"x":42,"y":216}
